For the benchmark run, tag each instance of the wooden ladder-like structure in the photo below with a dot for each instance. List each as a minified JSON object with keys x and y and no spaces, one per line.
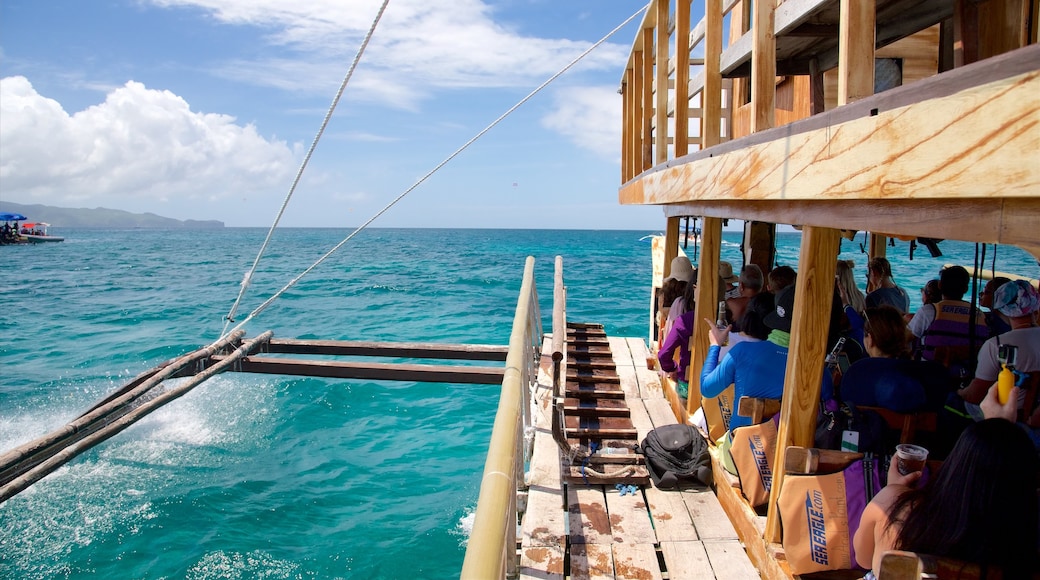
{"x":596,"y":416}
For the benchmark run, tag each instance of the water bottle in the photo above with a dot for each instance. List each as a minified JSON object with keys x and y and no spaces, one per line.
{"x":832,"y":356}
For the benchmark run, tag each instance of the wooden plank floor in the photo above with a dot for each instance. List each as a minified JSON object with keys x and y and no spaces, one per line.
{"x":592,"y":531}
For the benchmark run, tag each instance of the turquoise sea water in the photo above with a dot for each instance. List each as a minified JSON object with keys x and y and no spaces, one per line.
{"x":285,"y":477}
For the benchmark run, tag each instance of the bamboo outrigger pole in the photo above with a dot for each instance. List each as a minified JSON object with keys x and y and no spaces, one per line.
{"x":65,"y":447}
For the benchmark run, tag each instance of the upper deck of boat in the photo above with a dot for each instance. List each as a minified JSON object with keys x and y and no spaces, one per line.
{"x":583,"y":530}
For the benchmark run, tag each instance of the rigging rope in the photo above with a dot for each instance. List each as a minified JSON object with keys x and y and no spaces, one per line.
{"x":422,"y":179}
{"x":244,"y":285}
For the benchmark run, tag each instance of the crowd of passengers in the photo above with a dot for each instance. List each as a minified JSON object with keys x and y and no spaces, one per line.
{"x":8,"y":233}
{"x":944,"y":358}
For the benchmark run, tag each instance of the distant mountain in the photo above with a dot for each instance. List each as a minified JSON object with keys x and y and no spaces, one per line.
{"x":99,"y":217}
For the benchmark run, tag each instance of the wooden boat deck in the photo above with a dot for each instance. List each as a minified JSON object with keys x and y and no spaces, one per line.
{"x":592,"y":531}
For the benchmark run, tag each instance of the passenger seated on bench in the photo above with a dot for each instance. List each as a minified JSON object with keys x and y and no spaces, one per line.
{"x":678,"y":338}
{"x":947,"y":323}
{"x":749,"y":285}
{"x":1020,"y":302}
{"x":882,"y":289}
{"x":755,"y":369}
{"x":853,"y":301}
{"x":995,"y":321}
{"x":888,"y":378}
{"x":981,"y":507}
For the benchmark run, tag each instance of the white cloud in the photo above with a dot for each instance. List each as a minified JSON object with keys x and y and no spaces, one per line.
{"x":590,"y":117}
{"x":140,"y":143}
{"x":419,"y":47}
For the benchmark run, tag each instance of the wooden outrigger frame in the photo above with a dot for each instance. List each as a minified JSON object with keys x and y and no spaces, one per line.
{"x":955,"y":155}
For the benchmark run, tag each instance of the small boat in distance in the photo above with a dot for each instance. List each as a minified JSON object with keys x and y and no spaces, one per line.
{"x":36,"y":233}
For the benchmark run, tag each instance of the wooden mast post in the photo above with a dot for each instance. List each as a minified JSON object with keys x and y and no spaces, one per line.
{"x":814,"y":290}
{"x":707,"y":296}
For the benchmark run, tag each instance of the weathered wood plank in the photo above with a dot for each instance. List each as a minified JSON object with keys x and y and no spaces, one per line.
{"x":660,"y":412}
{"x":671,"y":518}
{"x":708,"y":516}
{"x":648,"y":380}
{"x":687,"y":560}
{"x":729,"y":560}
{"x":613,"y":473}
{"x":367,"y":370}
{"x":587,"y":516}
{"x":597,"y":407}
{"x":390,"y":349}
{"x":607,"y":427}
{"x":629,"y":520}
{"x":592,"y":561}
{"x":542,"y":563}
{"x":636,"y":562}
{"x":544,"y":522}
{"x":640,"y":418}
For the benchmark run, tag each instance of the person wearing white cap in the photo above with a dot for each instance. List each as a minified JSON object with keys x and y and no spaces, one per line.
{"x":1020,"y":302}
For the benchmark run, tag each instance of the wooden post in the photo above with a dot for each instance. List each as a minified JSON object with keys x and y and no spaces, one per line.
{"x":759,"y":242}
{"x":855,"y":50}
{"x":626,"y":131}
{"x":648,"y":100}
{"x":740,"y":24}
{"x":877,"y":248}
{"x":661,"y":78}
{"x":637,"y":112}
{"x":763,"y":65}
{"x":671,"y":245}
{"x":682,"y":77}
{"x":711,"y":95}
{"x":817,"y":96}
{"x":707,"y":296}
{"x":814,"y":290}
{"x":965,"y":33}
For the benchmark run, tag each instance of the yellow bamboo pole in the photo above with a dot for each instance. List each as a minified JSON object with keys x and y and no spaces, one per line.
{"x":661,"y":83}
{"x":496,"y":510}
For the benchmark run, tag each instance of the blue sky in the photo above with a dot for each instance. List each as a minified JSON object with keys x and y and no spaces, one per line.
{"x":204,"y":109}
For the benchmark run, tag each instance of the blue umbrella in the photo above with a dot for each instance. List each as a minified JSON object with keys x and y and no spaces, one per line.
{"x":12,"y":217}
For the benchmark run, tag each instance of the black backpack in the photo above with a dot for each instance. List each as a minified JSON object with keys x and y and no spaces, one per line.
{"x":676,"y":454}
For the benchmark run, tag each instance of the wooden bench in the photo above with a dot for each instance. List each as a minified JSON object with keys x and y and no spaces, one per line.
{"x":899,"y":565}
{"x":908,"y":424}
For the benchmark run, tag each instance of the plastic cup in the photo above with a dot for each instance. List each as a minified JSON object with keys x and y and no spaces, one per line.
{"x":910,"y":458}
{"x":651,"y":362}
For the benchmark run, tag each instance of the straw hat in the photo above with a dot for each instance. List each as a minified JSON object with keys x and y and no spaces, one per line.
{"x":726,"y":273}
{"x":681,"y":269}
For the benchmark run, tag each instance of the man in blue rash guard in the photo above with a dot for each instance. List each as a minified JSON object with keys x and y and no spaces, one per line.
{"x":755,"y":369}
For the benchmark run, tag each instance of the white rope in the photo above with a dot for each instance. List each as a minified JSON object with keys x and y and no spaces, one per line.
{"x":244,"y":285}
{"x":326,"y":256}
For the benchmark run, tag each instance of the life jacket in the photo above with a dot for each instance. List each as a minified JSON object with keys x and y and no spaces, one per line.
{"x":949,"y":339}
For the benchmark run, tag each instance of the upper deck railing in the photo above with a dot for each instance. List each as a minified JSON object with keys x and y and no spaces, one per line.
{"x":766,"y":111}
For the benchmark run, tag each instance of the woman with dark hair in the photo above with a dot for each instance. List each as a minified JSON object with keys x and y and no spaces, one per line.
{"x":888,"y":378}
{"x":981,"y":507}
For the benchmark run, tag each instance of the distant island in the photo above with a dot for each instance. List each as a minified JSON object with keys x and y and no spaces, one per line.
{"x":99,"y":217}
